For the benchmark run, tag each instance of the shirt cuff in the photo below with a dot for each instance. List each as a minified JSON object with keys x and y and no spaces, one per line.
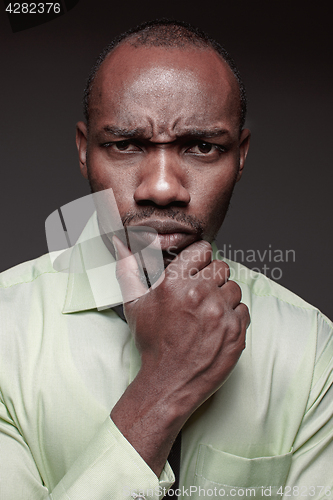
{"x":111,"y":468}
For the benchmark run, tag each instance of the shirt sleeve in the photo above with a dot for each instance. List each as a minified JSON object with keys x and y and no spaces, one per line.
{"x":312,"y":463}
{"x":109,"y":468}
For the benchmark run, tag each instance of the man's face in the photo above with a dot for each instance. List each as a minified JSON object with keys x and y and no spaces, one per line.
{"x":164,"y":135}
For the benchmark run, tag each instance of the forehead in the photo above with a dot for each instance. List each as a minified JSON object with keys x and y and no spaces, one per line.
{"x":156,"y":86}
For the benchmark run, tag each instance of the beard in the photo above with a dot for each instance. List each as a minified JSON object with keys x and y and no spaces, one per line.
{"x":143,"y":214}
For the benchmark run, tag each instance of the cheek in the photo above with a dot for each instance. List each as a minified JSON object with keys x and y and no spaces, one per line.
{"x":215,"y":189}
{"x":213,"y":202}
{"x":104,"y":175}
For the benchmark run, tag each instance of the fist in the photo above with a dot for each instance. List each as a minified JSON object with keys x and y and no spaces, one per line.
{"x":189,"y":327}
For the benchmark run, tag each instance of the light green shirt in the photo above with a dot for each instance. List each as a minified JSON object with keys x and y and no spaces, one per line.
{"x":65,"y":360}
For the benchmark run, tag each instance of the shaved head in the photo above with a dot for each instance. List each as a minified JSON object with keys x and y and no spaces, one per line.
{"x":169,"y":35}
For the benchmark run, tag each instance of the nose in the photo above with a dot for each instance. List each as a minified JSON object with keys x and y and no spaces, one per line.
{"x":162,"y":180}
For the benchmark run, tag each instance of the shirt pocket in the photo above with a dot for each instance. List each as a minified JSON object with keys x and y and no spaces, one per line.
{"x":221,"y":474}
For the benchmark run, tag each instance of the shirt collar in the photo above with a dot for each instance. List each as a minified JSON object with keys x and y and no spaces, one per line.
{"x":92,"y":281}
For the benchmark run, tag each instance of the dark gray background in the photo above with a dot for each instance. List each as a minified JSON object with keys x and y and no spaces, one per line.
{"x":284,"y":52}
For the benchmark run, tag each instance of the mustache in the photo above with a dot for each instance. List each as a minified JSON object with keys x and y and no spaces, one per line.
{"x":166,"y":213}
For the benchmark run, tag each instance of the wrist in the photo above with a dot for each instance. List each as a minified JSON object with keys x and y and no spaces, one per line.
{"x":145,"y":403}
{"x":149,"y":422}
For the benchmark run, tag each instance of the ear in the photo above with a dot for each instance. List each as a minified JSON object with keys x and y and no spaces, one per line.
{"x":244,"y":144}
{"x":81,"y":144}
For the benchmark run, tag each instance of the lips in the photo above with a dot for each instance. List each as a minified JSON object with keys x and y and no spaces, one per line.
{"x":167,"y":235}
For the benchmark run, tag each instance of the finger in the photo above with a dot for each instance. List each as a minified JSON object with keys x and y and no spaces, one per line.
{"x":191,"y":260}
{"x":217,"y":271}
{"x":232,"y":293}
{"x":129,"y":275}
{"x":243,"y":312}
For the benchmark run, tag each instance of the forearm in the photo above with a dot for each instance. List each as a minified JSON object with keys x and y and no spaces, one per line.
{"x":149,"y":417}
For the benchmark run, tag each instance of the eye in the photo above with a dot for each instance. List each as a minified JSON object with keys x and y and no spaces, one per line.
{"x":205,"y":148}
{"x":122,"y":145}
{"x":126,"y":145}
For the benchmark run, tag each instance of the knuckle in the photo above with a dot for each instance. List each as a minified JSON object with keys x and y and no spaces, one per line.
{"x":216,"y":311}
{"x":214,"y":316}
{"x":194,"y":296}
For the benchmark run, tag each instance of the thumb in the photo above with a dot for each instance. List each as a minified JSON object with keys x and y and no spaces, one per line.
{"x":129,"y":273}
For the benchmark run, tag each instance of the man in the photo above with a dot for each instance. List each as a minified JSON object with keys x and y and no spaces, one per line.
{"x":165,"y":115}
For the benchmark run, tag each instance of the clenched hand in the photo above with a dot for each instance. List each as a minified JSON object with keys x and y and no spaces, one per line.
{"x":190,"y":332}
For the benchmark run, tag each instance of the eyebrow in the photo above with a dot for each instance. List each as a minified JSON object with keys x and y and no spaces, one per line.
{"x":202,"y":133}
{"x":123,"y":132}
{"x":142,"y":132}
